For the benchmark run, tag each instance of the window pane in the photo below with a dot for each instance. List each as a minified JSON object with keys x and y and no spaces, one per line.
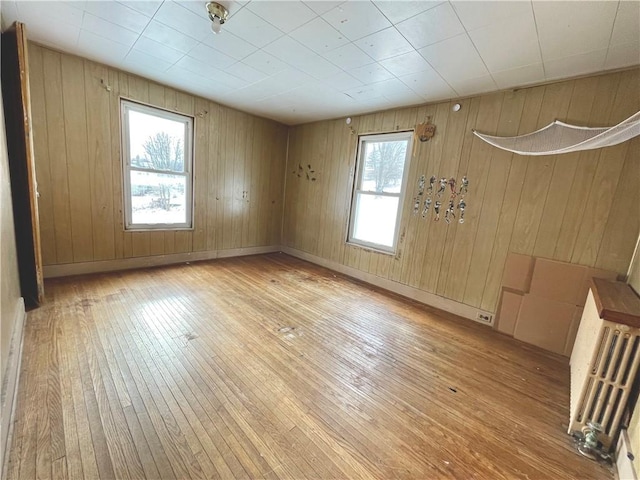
{"x":375,"y":219}
{"x":156,"y":142}
{"x":383,"y":166}
{"x":158,"y":198}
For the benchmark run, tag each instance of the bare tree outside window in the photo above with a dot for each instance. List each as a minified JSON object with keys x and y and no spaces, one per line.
{"x":157,"y":167}
{"x":384,"y":165}
{"x":162,"y":152}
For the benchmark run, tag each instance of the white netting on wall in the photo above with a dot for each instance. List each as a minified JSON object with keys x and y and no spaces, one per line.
{"x":559,"y":137}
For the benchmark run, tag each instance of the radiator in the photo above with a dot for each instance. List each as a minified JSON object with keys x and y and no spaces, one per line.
{"x":604,"y":363}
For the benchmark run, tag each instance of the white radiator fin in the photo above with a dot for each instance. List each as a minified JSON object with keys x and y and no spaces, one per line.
{"x":606,"y":386}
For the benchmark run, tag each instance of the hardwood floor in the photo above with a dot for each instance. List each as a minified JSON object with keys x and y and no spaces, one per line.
{"x":270,"y":367}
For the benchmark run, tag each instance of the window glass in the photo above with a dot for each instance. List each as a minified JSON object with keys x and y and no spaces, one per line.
{"x":157,"y":162}
{"x":381,"y":169}
{"x":384,"y":166}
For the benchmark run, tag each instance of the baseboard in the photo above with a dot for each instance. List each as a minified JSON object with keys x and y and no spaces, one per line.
{"x":442,"y":303}
{"x":10,"y":384}
{"x":68,"y":269}
{"x":624,"y":465}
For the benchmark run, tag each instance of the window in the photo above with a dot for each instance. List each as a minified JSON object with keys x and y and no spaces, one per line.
{"x":381,"y":171}
{"x":157,"y":159}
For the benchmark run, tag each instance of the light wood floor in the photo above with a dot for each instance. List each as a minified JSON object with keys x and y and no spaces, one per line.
{"x":270,"y":367}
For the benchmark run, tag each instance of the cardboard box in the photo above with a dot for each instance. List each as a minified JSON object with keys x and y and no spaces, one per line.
{"x":544,"y":322}
{"x":558,"y":281}
{"x":508,"y":311}
{"x":573,"y":330}
{"x":517,"y":272}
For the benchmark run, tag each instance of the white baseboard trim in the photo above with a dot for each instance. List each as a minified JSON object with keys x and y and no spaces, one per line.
{"x":442,"y":303}
{"x":624,"y":465}
{"x":10,"y":381}
{"x":68,"y":269}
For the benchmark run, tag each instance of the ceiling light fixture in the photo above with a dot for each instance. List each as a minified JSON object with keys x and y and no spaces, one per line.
{"x":218,"y":15}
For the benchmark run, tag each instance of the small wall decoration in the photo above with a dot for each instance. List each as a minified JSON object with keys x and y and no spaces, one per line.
{"x":432,"y":180}
{"x":455,"y":195}
{"x":443,"y":186}
{"x":309,"y":173}
{"x":426,"y":130}
{"x":461,"y":206}
{"x":436,"y":208}
{"x":418,"y":198}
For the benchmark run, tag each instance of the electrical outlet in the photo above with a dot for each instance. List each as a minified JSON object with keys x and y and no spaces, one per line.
{"x":484,"y":317}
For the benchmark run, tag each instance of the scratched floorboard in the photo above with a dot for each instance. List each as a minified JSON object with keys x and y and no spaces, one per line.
{"x":270,"y":367}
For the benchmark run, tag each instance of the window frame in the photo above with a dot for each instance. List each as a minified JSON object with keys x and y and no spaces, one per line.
{"x":357,"y":183}
{"x":127,"y":105}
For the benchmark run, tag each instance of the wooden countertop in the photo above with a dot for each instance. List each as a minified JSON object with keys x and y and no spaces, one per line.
{"x":616,"y":302}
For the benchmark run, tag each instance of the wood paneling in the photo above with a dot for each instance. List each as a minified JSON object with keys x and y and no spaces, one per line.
{"x":239,"y":166}
{"x":580,"y":208}
{"x":271,"y":367}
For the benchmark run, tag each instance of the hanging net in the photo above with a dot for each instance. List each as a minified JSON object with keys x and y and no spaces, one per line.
{"x":559,"y":137}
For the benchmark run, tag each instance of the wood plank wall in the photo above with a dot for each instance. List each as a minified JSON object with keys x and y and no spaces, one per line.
{"x":582,"y":208}
{"x":78,"y":166}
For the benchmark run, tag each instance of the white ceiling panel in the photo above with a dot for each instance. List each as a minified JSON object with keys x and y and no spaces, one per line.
{"x":210,"y":56}
{"x":371,"y":73}
{"x":518,"y":76}
{"x":158,"y":50}
{"x":230,"y":44}
{"x":394,"y":89}
{"x":145,"y":62}
{"x":285,"y":16}
{"x":64,"y":12}
{"x":473,"y":86}
{"x":624,"y":55}
{"x":508,"y":44}
{"x":265,"y":62}
{"x":223,"y":78}
{"x":176,"y":76}
{"x":405,"y":64}
{"x":292,"y":60}
{"x":356,"y":19}
{"x":342,"y":81}
{"x":112,"y":52}
{"x":184,"y":20}
{"x":362,"y":93}
{"x":319,"y":36}
{"x":9,"y":13}
{"x":322,"y":6}
{"x":384,"y":44}
{"x":571,"y":28}
{"x":454,"y":58}
{"x":62,"y":36}
{"x":431,"y":26}
{"x":317,"y":67}
{"x":171,"y":37}
{"x":428,"y":84}
{"x":250,"y":27}
{"x":194,"y":65}
{"x":102,"y":28}
{"x":396,"y":11}
{"x":348,"y":57}
{"x":576,"y":64}
{"x":148,"y":8}
{"x":115,"y":13}
{"x":289,"y":50}
{"x":246,"y":73}
{"x":626,"y":27}
{"x":278,"y":83}
{"x":475,"y":14}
